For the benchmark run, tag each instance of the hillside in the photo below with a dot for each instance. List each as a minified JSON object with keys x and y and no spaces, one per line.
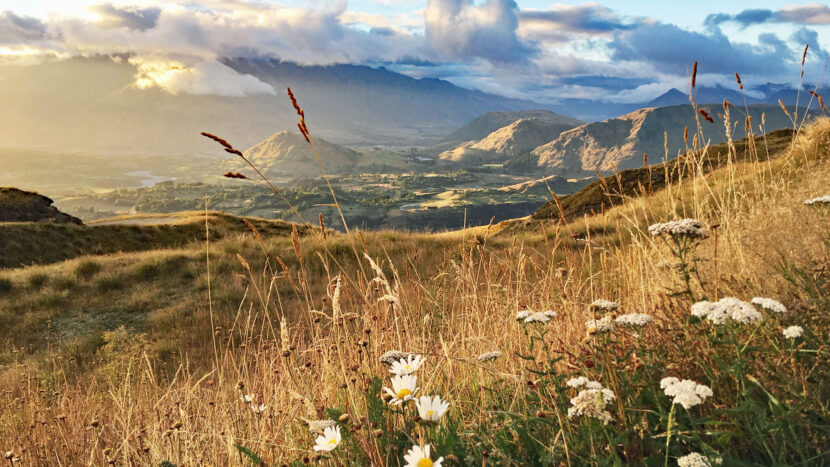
{"x":485,"y":124}
{"x":27,"y":243}
{"x":621,"y":142}
{"x":24,"y":206}
{"x":286,"y":154}
{"x":615,"y":190}
{"x":509,"y":141}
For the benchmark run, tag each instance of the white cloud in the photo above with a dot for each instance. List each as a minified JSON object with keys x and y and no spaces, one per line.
{"x":208,"y":77}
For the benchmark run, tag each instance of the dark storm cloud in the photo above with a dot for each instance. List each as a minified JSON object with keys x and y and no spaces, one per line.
{"x":139,"y":19}
{"x":16,"y":29}
{"x":813,"y":13}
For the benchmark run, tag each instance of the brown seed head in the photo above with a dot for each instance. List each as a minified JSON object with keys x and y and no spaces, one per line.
{"x":738,"y":78}
{"x":694,"y":74}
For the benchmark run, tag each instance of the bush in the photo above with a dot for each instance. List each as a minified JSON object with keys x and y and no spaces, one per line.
{"x":37,"y":280}
{"x":6,"y":285}
{"x":109,"y":283}
{"x":86,"y":269}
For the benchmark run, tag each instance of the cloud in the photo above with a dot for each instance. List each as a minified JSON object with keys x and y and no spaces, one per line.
{"x":16,"y":29}
{"x":589,"y":18}
{"x":136,"y":18}
{"x":811,"y":13}
{"x":457,"y":29}
{"x":208,"y":77}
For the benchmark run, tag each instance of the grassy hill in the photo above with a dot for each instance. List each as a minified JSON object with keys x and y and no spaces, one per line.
{"x":300,"y":324}
{"x":26,"y":243}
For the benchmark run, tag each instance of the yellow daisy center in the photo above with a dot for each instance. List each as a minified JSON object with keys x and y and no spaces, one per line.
{"x":403,"y":393}
{"x":332,"y":441}
{"x":425,"y":462}
{"x":429,"y":413}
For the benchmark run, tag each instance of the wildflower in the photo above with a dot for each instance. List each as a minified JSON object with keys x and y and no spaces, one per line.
{"x":259,"y":408}
{"x":820,"y":200}
{"x":793,"y":332}
{"x":606,"y":305}
{"x":418,"y":457}
{"x":685,"y":392}
{"x":696,"y":460}
{"x":393,"y":356}
{"x":634,"y":319}
{"x":689,"y":228}
{"x":605,"y":324}
{"x":489,"y":356}
{"x":769,"y":304}
{"x":247,"y":398}
{"x":727,"y":308}
{"x":550,"y":314}
{"x":521,"y":315}
{"x":328,"y":440}
{"x":431,"y":409}
{"x":577,"y":382}
{"x":537,"y":317}
{"x":591,"y":401}
{"x":403,"y":389}
{"x":320,"y":426}
{"x":406,"y":366}
{"x":740,"y":310}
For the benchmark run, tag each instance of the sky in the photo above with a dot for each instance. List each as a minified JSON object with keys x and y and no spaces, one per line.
{"x":619,"y":51}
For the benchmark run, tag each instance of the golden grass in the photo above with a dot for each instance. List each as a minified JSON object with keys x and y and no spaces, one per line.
{"x":308,"y":328}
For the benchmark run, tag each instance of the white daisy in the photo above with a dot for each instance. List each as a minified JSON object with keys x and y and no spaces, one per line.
{"x":247,"y":398}
{"x":259,"y":408}
{"x":403,"y":389}
{"x":417,"y":457}
{"x":328,"y":440}
{"x":431,"y":409}
{"x":407,"y":365}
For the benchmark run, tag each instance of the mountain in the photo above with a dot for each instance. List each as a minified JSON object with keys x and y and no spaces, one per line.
{"x":483,"y":125}
{"x":92,"y":105}
{"x":509,"y":141}
{"x":704,"y":95}
{"x":25,"y":206}
{"x":671,"y":97}
{"x":621,"y":142}
{"x":287,"y":154}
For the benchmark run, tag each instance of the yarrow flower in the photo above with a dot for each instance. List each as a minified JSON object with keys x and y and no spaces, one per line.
{"x":550,"y":314}
{"x":793,"y":332}
{"x":521,"y":315}
{"x":820,"y":200}
{"x":685,"y":392}
{"x":727,"y":308}
{"x":393,"y":356}
{"x":329,"y":440}
{"x":417,"y":457}
{"x":769,"y":304}
{"x":688,"y":228}
{"x":406,"y":366}
{"x":431,"y":409}
{"x":696,"y":460}
{"x":537,"y":317}
{"x":605,"y":324}
{"x":606,"y":305}
{"x":634,"y":319}
{"x":403,"y":389}
{"x":489,"y":356}
{"x":590,"y":401}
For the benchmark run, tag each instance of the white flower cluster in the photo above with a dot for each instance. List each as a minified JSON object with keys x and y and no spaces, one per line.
{"x":727,"y":308}
{"x":529,"y":316}
{"x":605,"y":324}
{"x":689,"y":228}
{"x":606,"y":305}
{"x":820,"y":200}
{"x":769,"y":304}
{"x":404,"y":383}
{"x":634,"y":319}
{"x":489,"y":356}
{"x":685,"y":392}
{"x":697,"y":460}
{"x":590,"y":401}
{"x":793,"y":332}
